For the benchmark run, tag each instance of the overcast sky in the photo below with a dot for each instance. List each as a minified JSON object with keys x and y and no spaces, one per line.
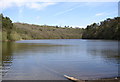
{"x":59,"y":13}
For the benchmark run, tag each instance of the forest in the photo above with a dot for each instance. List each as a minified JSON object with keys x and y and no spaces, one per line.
{"x":107,"y":29}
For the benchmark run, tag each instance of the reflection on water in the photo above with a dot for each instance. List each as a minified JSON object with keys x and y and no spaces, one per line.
{"x":0,"y":61}
{"x":51,"y":59}
{"x":7,"y":49}
{"x":108,"y":52}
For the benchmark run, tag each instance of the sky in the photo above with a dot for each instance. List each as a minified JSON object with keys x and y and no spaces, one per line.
{"x":76,"y":14}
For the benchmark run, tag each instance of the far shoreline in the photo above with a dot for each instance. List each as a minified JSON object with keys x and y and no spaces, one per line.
{"x":56,"y":39}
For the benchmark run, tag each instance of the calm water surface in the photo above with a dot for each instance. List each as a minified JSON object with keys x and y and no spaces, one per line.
{"x":51,"y":59}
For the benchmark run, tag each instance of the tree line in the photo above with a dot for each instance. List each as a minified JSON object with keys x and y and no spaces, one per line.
{"x":18,"y":31}
{"x":107,"y":29}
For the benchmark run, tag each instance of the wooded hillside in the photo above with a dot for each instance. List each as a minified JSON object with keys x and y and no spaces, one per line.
{"x":107,"y":29}
{"x":27,"y":31}
{"x":17,"y":31}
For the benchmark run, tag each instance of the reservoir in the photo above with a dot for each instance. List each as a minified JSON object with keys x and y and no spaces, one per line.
{"x":50,"y":59}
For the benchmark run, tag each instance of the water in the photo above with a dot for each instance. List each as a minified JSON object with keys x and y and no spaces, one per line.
{"x":51,"y":59}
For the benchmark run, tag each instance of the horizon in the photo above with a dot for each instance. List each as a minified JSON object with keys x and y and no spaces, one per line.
{"x":73,"y":14}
